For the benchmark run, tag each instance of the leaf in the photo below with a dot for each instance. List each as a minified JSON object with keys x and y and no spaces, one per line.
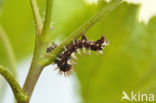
{"x":128,"y":63}
{"x":18,"y":23}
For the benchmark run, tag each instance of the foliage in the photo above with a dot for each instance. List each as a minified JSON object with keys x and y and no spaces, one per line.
{"x":128,"y":63}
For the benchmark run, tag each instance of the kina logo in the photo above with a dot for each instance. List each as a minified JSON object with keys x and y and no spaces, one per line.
{"x":138,"y":96}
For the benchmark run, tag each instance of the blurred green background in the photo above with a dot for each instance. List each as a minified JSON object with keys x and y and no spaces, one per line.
{"x":128,"y":63}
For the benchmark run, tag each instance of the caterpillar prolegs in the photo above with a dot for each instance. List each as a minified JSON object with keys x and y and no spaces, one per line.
{"x":64,"y":60}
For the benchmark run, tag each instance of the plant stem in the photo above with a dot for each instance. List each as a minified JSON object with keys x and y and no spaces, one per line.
{"x":85,"y":27}
{"x":40,"y":48}
{"x":35,"y":69}
{"x":9,"y":51}
{"x":37,"y":17}
{"x":18,"y":92}
{"x":44,"y":37}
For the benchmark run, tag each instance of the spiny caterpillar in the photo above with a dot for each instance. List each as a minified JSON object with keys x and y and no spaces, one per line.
{"x":64,"y":60}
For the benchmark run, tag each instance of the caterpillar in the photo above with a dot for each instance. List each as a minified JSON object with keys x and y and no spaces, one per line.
{"x":64,"y":60}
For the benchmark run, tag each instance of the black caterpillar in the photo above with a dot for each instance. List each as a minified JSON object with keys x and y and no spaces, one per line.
{"x":64,"y":61}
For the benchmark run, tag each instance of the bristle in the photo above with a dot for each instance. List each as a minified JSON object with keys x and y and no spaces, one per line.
{"x":69,"y":62}
{"x":63,"y":52}
{"x":65,"y":48}
{"x":84,"y":50}
{"x":65,"y":74}
{"x":97,"y":44}
{"x":73,"y":56}
{"x":91,"y":43}
{"x":106,"y":42}
{"x":89,"y":52}
{"x":74,"y":62}
{"x":78,"y":51}
{"x":69,"y":73}
{"x":60,"y":73}
{"x":101,"y":52}
{"x":58,"y":59}
{"x":73,"y":41}
{"x":56,"y":68}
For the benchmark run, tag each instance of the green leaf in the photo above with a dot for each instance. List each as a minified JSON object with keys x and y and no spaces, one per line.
{"x":16,"y":19}
{"x":128,"y":63}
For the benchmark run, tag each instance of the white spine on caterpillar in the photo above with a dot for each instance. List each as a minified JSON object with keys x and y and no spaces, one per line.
{"x":78,"y":51}
{"x":89,"y":52}
{"x":73,"y":56}
{"x":70,"y":62}
{"x":65,"y":48}
{"x":73,"y":41}
{"x":84,"y":50}
{"x":58,"y":59}
{"x":100,"y":51}
{"x":106,"y":43}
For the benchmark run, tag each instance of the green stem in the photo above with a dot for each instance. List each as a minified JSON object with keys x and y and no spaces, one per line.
{"x":9,"y":51}
{"x":35,"y":69}
{"x":44,"y":37}
{"x":39,"y":51}
{"x":18,"y":92}
{"x":85,"y":27}
{"x":37,"y":17}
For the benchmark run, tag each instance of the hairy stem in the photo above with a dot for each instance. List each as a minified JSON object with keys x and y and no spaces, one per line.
{"x":44,"y":37}
{"x":102,"y":13}
{"x":18,"y":92}
{"x":37,"y":17}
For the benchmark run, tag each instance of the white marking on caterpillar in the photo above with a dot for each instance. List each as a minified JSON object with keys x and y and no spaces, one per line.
{"x":100,"y":51}
{"x":78,"y":51}
{"x":89,"y":52}
{"x":73,"y":41}
{"x":69,"y":62}
{"x":65,"y":48}
{"x":73,"y":56}
{"x":106,"y":42}
{"x":73,"y":62}
{"x":84,"y":50}
{"x":58,"y":59}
